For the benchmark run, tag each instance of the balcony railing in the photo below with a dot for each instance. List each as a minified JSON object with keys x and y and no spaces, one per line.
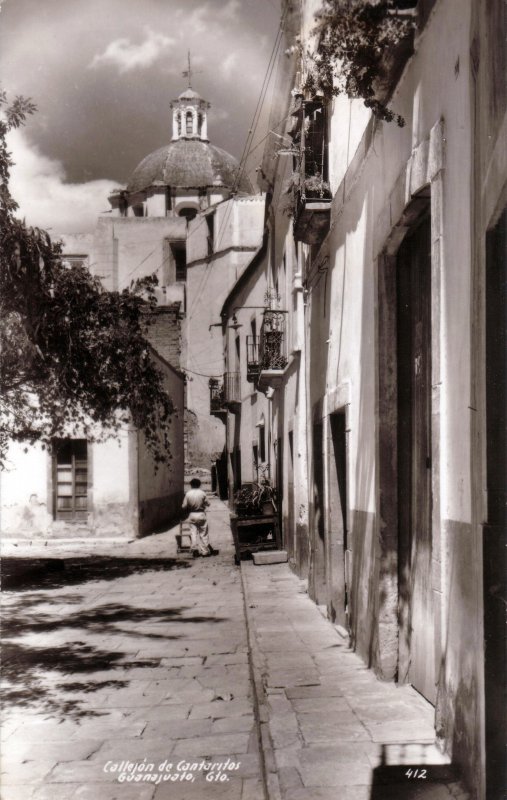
{"x":232,"y":388}
{"x":272,"y":349}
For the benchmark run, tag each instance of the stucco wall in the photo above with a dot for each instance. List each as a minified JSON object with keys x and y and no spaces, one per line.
{"x":160,"y":490}
{"x":27,"y":494}
{"x":209,"y":280}
{"x":376,"y":169}
{"x":128,"y":248}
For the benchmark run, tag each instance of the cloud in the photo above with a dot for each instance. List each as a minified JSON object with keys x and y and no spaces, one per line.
{"x":207,"y":18}
{"x":126,"y":56}
{"x":228,"y":65}
{"x":45,"y":200}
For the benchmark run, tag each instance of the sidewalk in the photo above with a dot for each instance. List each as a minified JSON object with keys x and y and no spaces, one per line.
{"x":330,"y":729}
{"x":134,"y":673}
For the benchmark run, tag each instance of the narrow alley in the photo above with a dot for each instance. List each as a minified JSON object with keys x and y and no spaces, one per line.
{"x":139,"y":673}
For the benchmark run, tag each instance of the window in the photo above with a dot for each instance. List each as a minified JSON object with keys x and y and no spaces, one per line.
{"x":179,"y":254}
{"x":238,"y":353}
{"x":188,"y":213}
{"x":70,"y":479}
{"x":210,"y":222}
{"x":189,"y":123}
{"x":262,"y":443}
{"x":74,"y":260}
{"x":255,"y":460}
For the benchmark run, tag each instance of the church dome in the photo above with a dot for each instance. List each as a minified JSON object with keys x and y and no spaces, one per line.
{"x":189,"y":164}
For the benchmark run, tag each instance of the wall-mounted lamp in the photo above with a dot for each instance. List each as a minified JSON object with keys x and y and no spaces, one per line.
{"x":235,"y":324}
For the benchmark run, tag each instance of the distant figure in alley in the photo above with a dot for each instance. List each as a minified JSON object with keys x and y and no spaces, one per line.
{"x":195,"y":502}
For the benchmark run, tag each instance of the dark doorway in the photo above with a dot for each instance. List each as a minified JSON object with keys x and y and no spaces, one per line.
{"x":414,"y":456}
{"x":219,"y":476}
{"x":338,"y":518}
{"x":318,"y":587}
{"x":279,"y":484}
{"x":290,"y":533}
{"x":496,"y":524}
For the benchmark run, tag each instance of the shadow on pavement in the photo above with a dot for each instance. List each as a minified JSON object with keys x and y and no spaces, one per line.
{"x":25,"y":574}
{"x":90,"y":639}
{"x":26,"y":687}
{"x":411,"y":781}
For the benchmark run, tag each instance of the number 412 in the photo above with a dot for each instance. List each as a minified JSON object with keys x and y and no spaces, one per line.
{"x":415,"y":773}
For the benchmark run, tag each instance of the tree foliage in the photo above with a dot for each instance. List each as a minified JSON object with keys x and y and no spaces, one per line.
{"x":354,"y":37}
{"x":75,"y":359}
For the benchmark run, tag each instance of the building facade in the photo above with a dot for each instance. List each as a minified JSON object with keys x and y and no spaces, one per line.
{"x":188,"y":216}
{"x":386,"y":412}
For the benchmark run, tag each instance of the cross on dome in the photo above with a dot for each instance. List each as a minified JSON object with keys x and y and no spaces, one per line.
{"x":187,"y":73}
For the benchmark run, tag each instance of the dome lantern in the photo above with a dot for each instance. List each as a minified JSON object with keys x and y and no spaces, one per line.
{"x":190,"y":119}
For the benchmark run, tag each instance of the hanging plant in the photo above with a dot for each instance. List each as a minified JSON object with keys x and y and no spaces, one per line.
{"x":313,"y":186}
{"x":354,"y":37}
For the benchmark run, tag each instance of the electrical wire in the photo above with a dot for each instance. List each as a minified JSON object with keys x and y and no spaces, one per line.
{"x":255,"y":120}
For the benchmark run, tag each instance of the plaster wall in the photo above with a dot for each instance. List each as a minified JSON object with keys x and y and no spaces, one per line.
{"x":128,"y":248}
{"x":236,"y":223}
{"x":156,"y":203}
{"x":23,"y":488}
{"x":376,"y":170}
{"x":209,"y":280}
{"x":243,"y":428}
{"x":161,"y":490}
{"x":434,"y":147}
{"x":27,"y":494}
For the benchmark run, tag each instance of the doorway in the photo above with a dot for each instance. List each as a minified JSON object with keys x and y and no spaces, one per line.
{"x":318,"y":585}
{"x":413,"y":284}
{"x":337,"y":519}
{"x":496,"y":522}
{"x":290,"y":538}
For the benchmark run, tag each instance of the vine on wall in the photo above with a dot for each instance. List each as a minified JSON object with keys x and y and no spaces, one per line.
{"x":354,"y":37}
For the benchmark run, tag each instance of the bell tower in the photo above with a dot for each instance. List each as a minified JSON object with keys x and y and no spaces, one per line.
{"x":190,"y":119}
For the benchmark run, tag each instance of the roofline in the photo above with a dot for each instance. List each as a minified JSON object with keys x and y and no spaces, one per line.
{"x":177,"y":370}
{"x":246,"y":274}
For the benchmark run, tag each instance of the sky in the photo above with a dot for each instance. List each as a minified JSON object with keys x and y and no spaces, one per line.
{"x":103,"y":73}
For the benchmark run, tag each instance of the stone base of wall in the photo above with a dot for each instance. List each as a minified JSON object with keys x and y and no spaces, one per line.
{"x":363,"y":585}
{"x":302,"y":554}
{"x":112,"y":520}
{"x":159,"y":512}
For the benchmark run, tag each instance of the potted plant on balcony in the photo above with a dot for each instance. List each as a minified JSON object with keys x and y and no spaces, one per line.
{"x":299,"y":190}
{"x":361,"y":48}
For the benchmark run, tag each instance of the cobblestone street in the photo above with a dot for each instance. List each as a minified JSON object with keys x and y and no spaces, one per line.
{"x":137,"y":659}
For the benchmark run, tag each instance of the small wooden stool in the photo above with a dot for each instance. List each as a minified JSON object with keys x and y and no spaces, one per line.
{"x":183,"y":539}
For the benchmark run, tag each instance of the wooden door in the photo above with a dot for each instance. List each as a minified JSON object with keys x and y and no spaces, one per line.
{"x":414,"y":455}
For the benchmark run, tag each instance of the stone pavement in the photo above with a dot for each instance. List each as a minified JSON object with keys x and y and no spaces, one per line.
{"x":135,"y":655}
{"x":135,"y":673}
